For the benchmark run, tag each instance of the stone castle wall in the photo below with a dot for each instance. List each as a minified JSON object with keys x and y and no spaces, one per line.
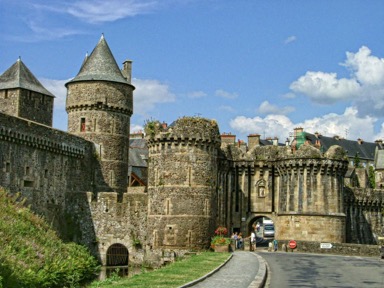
{"x":44,"y":165}
{"x":364,"y":208}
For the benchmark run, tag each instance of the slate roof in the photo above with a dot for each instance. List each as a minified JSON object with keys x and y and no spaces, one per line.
{"x":19,"y":76}
{"x":138,"y":153}
{"x":100,"y":65}
{"x":365,"y":150}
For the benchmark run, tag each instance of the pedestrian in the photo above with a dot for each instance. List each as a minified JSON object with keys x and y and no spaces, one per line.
{"x":253,"y":241}
{"x":240,"y":241}
{"x":234,"y":238}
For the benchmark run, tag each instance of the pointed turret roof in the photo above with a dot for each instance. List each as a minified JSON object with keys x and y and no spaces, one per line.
{"x":100,"y":65}
{"x":19,"y":76}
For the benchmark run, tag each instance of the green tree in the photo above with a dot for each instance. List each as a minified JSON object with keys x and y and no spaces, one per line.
{"x":371,"y":176}
{"x":356,"y":161}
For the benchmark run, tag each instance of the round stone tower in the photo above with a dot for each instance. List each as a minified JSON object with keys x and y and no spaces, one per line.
{"x":182,"y":183}
{"x":309,"y":189}
{"x":99,"y":107}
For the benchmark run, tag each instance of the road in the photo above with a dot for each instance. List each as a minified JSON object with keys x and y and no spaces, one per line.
{"x":315,"y":270}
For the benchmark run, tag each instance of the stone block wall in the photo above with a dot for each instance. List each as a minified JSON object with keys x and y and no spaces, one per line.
{"x":44,"y":165}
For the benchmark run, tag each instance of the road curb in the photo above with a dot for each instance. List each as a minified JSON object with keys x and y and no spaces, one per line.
{"x":261,"y":275}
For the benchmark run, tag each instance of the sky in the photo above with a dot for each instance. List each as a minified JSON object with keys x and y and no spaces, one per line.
{"x":255,"y":66}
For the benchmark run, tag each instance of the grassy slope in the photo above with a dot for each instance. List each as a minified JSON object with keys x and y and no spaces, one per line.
{"x":32,"y":255}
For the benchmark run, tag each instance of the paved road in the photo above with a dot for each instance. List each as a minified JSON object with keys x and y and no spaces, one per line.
{"x":315,"y":270}
{"x":239,"y":272}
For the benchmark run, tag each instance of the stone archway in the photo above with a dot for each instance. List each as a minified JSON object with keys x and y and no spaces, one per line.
{"x":261,"y":238}
{"x":117,"y":259}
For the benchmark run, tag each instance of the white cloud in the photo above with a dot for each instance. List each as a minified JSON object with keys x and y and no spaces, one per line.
{"x":107,"y":11}
{"x":196,"y":94}
{"x":268,"y":108}
{"x":364,"y":88}
{"x":225,"y":94}
{"x":325,"y":88}
{"x":278,"y":125}
{"x":148,"y":93}
{"x":290,"y":39}
{"x":136,"y":128}
{"x":348,"y":125}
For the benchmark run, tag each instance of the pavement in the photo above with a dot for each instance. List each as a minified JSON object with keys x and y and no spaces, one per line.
{"x":243,"y":269}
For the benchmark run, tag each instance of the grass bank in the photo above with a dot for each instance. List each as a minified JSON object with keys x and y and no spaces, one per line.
{"x":173,"y":275}
{"x":32,"y":255}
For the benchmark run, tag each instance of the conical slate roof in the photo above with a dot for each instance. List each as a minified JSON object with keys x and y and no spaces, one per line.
{"x":19,"y":76}
{"x":100,"y":65}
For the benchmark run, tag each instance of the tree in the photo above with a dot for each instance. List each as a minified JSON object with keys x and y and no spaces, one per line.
{"x":371,"y":177}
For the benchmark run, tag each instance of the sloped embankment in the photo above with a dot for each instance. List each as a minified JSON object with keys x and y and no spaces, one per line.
{"x":32,"y":255}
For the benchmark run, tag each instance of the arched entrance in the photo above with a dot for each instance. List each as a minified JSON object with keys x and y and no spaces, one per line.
{"x":117,"y":259}
{"x":264,"y":228}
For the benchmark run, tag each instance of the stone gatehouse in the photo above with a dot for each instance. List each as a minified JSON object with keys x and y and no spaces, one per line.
{"x":197,"y":178}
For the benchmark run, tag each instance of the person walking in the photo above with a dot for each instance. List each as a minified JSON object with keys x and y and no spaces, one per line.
{"x":253,"y":241}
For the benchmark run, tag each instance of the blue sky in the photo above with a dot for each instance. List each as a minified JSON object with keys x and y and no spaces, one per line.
{"x":255,"y":66}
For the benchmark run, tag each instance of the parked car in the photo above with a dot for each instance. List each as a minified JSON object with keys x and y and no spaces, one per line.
{"x":269,"y":230}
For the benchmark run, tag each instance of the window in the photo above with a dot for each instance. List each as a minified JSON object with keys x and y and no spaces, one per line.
{"x":82,"y":124}
{"x":6,"y":94}
{"x":7,"y":167}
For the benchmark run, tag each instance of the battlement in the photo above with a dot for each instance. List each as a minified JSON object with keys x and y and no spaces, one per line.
{"x":364,"y":197}
{"x":186,"y":129}
{"x":21,"y":131}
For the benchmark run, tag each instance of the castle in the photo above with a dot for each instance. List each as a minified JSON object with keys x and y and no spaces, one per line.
{"x":197,"y":178}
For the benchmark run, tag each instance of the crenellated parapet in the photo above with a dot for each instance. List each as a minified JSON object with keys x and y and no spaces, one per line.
{"x":367,"y":197}
{"x":186,"y":130}
{"x":32,"y":134}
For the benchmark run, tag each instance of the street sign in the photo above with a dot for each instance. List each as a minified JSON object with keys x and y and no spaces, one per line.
{"x":325,"y":245}
{"x":292,"y":244}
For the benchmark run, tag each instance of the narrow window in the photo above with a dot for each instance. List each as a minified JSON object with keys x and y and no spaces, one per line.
{"x":6,"y":94}
{"x":29,"y":95}
{"x":7,"y":167}
{"x":112,"y":178}
{"x":27,"y":170}
{"x":46,"y":173}
{"x":94,"y":125}
{"x":82,"y":124}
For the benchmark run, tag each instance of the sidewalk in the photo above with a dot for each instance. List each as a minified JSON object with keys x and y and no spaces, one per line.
{"x":244,"y":270}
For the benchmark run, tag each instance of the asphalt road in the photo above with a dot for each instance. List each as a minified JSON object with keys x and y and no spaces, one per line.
{"x":317,"y":270}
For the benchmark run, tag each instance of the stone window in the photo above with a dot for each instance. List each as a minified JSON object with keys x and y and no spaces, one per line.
{"x":82,"y":124}
{"x":6,"y":94}
{"x":46,"y":173}
{"x":7,"y":167}
{"x":27,"y":170}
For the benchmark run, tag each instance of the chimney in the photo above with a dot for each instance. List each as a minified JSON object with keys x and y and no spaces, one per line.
{"x":360,"y":141}
{"x":275,"y":141}
{"x":127,"y":70}
{"x":317,"y":134}
{"x":298,"y":130}
{"x":337,"y":137}
{"x":228,"y":139}
{"x":253,"y":141}
{"x":164,"y":125}
{"x":242,"y":146}
{"x":379,"y":142}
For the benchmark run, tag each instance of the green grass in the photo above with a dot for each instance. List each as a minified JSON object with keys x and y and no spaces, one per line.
{"x":31,"y":253}
{"x":173,"y":275}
